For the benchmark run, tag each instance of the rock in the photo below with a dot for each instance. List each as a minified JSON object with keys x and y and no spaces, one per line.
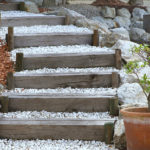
{"x":138,"y":13}
{"x":87,"y":10}
{"x":109,"y":22}
{"x":139,"y":35}
{"x":1,"y":87}
{"x":131,"y":93}
{"x":91,"y":24}
{"x":125,"y":47}
{"x":73,"y":16}
{"x":119,"y":135}
{"x":123,"y":12}
{"x":136,"y":24}
{"x":122,"y":22}
{"x":124,"y":34}
{"x":31,"y":7}
{"x":108,"y":12}
{"x":125,"y":1}
{"x":38,"y":2}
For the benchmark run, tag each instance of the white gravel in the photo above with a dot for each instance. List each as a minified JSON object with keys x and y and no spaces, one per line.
{"x":53,"y":145}
{"x":6,"y":14}
{"x":69,"y":70}
{"x":59,"y":49}
{"x":44,"y":29}
{"x":56,"y":115}
{"x":65,"y":91}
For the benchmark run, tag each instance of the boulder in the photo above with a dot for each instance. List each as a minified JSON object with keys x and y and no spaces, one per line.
{"x":125,"y":1}
{"x":1,"y":87}
{"x":38,"y":2}
{"x":108,"y":12}
{"x":138,"y":13}
{"x":119,"y":135}
{"x":73,"y":15}
{"x":124,"y":34}
{"x":108,"y":22}
{"x":30,"y":7}
{"x":136,"y":24}
{"x":123,"y":12}
{"x":131,"y":93}
{"x":91,"y":24}
{"x":122,"y":22}
{"x":139,"y":35}
{"x":125,"y":47}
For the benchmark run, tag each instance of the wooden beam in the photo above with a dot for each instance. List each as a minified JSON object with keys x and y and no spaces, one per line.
{"x":10,"y":80}
{"x":96,"y":38}
{"x":10,"y":38}
{"x":118,"y":58}
{"x":52,"y":39}
{"x":4,"y":100}
{"x":9,"y":6}
{"x":71,"y":60}
{"x":62,"y":80}
{"x":109,"y":132}
{"x":67,"y":20}
{"x":60,"y":103}
{"x":33,"y":20}
{"x":19,"y":62}
{"x":53,"y":129}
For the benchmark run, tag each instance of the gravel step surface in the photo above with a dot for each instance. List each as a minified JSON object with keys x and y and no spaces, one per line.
{"x":53,"y":145}
{"x":56,"y":115}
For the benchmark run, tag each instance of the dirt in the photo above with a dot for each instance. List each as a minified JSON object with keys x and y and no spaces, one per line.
{"x":6,"y":65}
{"x":116,"y":4}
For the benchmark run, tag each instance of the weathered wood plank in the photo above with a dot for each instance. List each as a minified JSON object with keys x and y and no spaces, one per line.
{"x":74,"y":80}
{"x":52,"y":39}
{"x":33,"y":20}
{"x":82,"y":60}
{"x":60,"y":103}
{"x":53,"y":129}
{"x":9,"y":6}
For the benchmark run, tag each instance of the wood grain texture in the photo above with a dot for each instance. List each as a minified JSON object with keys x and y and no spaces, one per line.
{"x":52,"y":39}
{"x":74,"y":80}
{"x":60,"y":103}
{"x":33,"y":20}
{"x":10,"y":38}
{"x":53,"y":129}
{"x":118,"y":58}
{"x":9,"y":6}
{"x":82,"y":60}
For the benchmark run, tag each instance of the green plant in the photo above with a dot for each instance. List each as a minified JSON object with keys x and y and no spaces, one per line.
{"x":134,"y":67}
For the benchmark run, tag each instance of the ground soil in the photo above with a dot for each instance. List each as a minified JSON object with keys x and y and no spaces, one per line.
{"x":6,"y":65}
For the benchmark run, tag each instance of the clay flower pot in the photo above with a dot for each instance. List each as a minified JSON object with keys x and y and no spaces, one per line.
{"x":137,"y":126}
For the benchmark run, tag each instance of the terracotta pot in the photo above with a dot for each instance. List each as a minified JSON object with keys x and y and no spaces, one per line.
{"x":137,"y":126}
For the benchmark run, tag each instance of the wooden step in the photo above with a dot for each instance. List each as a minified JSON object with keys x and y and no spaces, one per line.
{"x":32,"y":20}
{"x":62,"y":80}
{"x":50,"y":39}
{"x":57,"y":129}
{"x":71,"y":60}
{"x":59,"y":103}
{"x":9,"y":6}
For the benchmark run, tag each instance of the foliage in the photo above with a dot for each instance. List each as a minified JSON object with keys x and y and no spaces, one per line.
{"x":134,"y":67}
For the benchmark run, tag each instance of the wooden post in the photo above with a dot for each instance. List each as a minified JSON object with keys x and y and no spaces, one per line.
{"x":0,"y":19}
{"x":109,"y":132}
{"x":4,"y":104}
{"x":67,"y":20}
{"x":10,"y":81}
{"x":115,"y":80}
{"x":63,"y":2}
{"x":19,"y":62}
{"x":22,"y":6}
{"x":95,"y":38}
{"x":10,"y":38}
{"x":118,"y":58}
{"x":113,"y":107}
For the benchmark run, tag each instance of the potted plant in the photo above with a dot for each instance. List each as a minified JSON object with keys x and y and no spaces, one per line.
{"x":137,"y":120}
